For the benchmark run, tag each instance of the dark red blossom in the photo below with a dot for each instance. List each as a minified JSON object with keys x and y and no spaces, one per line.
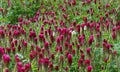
{"x":17,"y":58}
{"x":51,"y":65}
{"x":91,"y":39}
{"x":56,"y":67}
{"x":114,"y":35}
{"x":69,"y":59}
{"x":6,"y":59}
{"x":16,"y":33}
{"x":80,"y":62}
{"x":46,"y":45}
{"x":1,"y":51}
{"x":7,"y":70}
{"x":89,"y":68}
{"x":88,"y":50}
{"x":32,"y":34}
{"x":2,"y":34}
{"x":87,"y":62}
{"x":27,"y":66}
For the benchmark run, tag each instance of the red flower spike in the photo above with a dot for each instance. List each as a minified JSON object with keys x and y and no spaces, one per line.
{"x":66,"y":68}
{"x":52,"y":56}
{"x":114,"y":35}
{"x":17,"y":58}
{"x":24,"y":43}
{"x":38,"y":48}
{"x":46,"y":62}
{"x":1,"y":51}
{"x":80,"y":62}
{"x":7,"y":49}
{"x":87,"y":62}
{"x":107,"y":5}
{"x":51,"y":65}
{"x":91,"y":39}
{"x":31,"y":56}
{"x":27,"y":66}
{"x":61,"y":58}
{"x":6,"y":58}
{"x":88,"y":50}
{"x":82,"y":56}
{"x":89,"y":68}
{"x":69,"y":59}
{"x":56,"y":67}
{"x":46,"y":44}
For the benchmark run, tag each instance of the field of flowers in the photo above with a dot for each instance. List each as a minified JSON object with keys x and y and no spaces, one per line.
{"x":59,"y":35}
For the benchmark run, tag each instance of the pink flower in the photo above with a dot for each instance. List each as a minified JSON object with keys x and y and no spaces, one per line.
{"x":82,"y":56}
{"x":38,"y":48}
{"x":20,"y":19}
{"x":107,"y":5}
{"x":66,"y":69}
{"x":81,"y":39}
{"x":27,"y":66}
{"x":53,"y":56}
{"x":91,"y":39}
{"x":43,"y":50}
{"x":2,"y":33}
{"x":31,"y":56}
{"x":17,"y":58}
{"x":19,"y":47}
{"x":46,"y":62}
{"x":22,"y":69}
{"x":73,"y":51}
{"x":16,"y":33}
{"x":7,"y":70}
{"x":51,"y":65}
{"x":108,"y":46}
{"x":41,"y":37}
{"x":56,"y":67}
{"x":6,"y":58}
{"x":87,"y":62}
{"x":101,"y":18}
{"x":80,"y":62}
{"x":58,"y":40}
{"x":1,"y":51}
{"x":46,"y":44}
{"x":89,"y":68}
{"x":24,"y":43}
{"x":114,"y":35}
{"x":41,"y":61}
{"x":32,"y":34}
{"x":8,"y":50}
{"x":61,"y":58}
{"x":85,"y":19}
{"x":88,"y":50}
{"x":69,"y":59}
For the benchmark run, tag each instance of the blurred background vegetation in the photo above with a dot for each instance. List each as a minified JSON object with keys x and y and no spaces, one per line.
{"x":14,"y":9}
{"x":17,"y":8}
